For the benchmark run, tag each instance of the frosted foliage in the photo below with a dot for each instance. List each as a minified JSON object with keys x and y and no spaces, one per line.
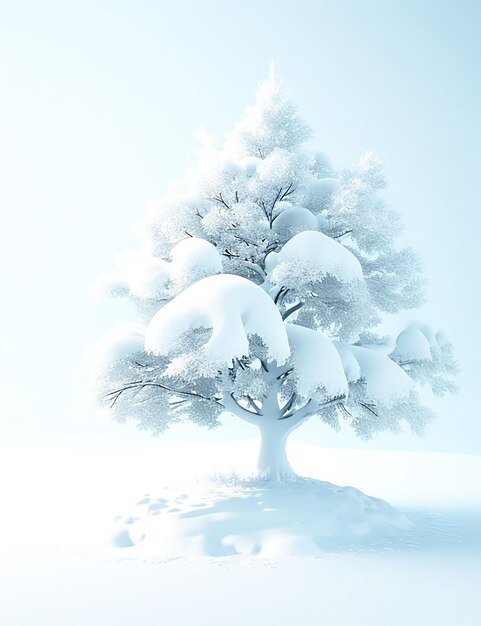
{"x":314,"y":269}
{"x":273,"y":122}
{"x":250,"y":382}
{"x":381,"y":395}
{"x":310,"y":256}
{"x":111,"y":365}
{"x":260,"y":278}
{"x":368,"y":418}
{"x":358,"y":208}
{"x":149,"y":280}
{"x":133,"y":385}
{"x":140,"y":276}
{"x":393,"y":278}
{"x":320,"y":193}
{"x":322,"y":165}
{"x":357,"y":214}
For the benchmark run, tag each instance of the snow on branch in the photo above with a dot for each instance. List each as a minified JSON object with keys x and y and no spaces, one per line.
{"x":427,"y":357}
{"x":310,"y":256}
{"x":233,"y":308}
{"x":318,"y":368}
{"x":144,"y":276}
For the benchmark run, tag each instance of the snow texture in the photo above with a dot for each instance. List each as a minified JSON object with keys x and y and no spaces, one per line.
{"x":59,"y":538}
{"x":385,"y":381}
{"x":310,"y":256}
{"x":293,"y":220}
{"x":145,"y":276}
{"x":316,"y":363}
{"x":233,"y":307}
{"x":193,"y":259}
{"x":412,"y":344}
{"x":254,"y":518}
{"x":118,"y":344}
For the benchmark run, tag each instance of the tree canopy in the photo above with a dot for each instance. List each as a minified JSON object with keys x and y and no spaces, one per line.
{"x":260,"y":282}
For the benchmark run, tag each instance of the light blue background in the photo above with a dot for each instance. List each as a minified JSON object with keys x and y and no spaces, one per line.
{"x":98,"y":109}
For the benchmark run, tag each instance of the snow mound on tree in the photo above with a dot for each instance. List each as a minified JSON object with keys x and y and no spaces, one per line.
{"x":385,"y":381}
{"x":141,"y":275}
{"x":119,"y":343}
{"x":194,"y":258}
{"x":352,"y":369}
{"x":293,"y":220}
{"x":317,"y":362}
{"x":320,"y":192}
{"x":145,"y":276}
{"x":412,"y":344}
{"x":249,"y":165}
{"x":231,"y":516}
{"x":311,"y":256}
{"x":233,"y":307}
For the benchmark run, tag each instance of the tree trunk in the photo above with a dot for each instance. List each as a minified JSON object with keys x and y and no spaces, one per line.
{"x":273,"y":464}
{"x":273,"y":429}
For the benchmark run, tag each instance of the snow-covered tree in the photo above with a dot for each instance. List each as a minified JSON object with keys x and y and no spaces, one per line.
{"x":260,"y":282}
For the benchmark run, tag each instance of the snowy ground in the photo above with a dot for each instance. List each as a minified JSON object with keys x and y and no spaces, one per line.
{"x":58,"y":566}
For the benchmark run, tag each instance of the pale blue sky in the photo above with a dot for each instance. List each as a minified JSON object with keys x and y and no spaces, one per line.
{"x":98,"y":109}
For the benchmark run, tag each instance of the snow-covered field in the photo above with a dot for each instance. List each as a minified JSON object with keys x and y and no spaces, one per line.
{"x":60,"y":515}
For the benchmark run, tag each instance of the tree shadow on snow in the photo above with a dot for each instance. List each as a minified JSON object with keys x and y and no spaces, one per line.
{"x":228,"y":516}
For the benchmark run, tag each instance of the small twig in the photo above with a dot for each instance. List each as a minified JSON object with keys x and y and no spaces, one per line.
{"x":284,"y":374}
{"x":221,"y":200}
{"x":292,"y":310}
{"x":140,"y":384}
{"x":369,"y":407}
{"x":257,"y":412}
{"x":344,"y":410}
{"x":347,"y":232}
{"x":253,"y":404}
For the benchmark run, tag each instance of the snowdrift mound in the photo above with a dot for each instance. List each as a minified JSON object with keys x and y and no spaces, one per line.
{"x":232,"y":516}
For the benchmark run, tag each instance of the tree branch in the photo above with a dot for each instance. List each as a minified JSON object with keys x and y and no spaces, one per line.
{"x":369,"y":407}
{"x":289,"y":191}
{"x":231,"y":404}
{"x":280,"y":294}
{"x":289,"y":404}
{"x":285,"y":374}
{"x":248,"y":263}
{"x":221,"y":200}
{"x":344,"y":410}
{"x":292,"y":310}
{"x":141,"y":384}
{"x":253,"y":405}
{"x":311,"y":407}
{"x":264,"y":365}
{"x":270,"y":248}
{"x":347,"y":232}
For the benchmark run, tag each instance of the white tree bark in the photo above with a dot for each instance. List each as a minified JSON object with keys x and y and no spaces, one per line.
{"x":272,"y":463}
{"x":274,"y":430}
